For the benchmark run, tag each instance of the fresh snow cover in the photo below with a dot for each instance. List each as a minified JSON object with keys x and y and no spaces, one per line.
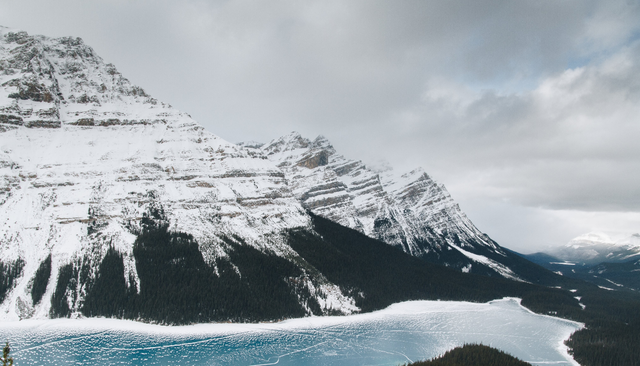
{"x":502,"y":269}
{"x":613,"y":283}
{"x":408,"y":210}
{"x":403,"y":332}
{"x":84,"y":155}
{"x":606,"y":288}
{"x":596,"y":238}
{"x":80,"y":146}
{"x":590,"y":239}
{"x":350,"y":193}
{"x":596,"y":247}
{"x":563,"y":263}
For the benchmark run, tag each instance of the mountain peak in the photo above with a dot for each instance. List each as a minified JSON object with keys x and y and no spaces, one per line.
{"x":88,"y":161}
{"x":409,"y":211}
{"x":51,"y":82}
{"x":288,"y":142}
{"x":596,"y":247}
{"x":296,"y":149}
{"x":590,"y":239}
{"x":322,"y":142}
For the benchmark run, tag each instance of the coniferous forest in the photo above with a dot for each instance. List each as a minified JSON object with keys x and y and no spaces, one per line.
{"x":8,"y":273}
{"x":177,"y":286}
{"x":41,"y":280}
{"x":473,"y":355}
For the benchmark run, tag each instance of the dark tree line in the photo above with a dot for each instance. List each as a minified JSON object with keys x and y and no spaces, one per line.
{"x":473,"y":355}
{"x":9,"y":272}
{"x":612,"y":333}
{"x":177,"y":286}
{"x":41,"y":280}
{"x":386,"y":275}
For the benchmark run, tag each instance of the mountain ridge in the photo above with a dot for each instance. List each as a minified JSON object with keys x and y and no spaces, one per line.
{"x":107,"y":154}
{"x":595,"y":257}
{"x":410,"y":211}
{"x":597,"y":247}
{"x":91,"y":167}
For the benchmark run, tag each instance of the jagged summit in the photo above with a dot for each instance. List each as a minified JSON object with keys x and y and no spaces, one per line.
{"x":48,"y":82}
{"x":294,"y":142}
{"x":409,"y":210}
{"x":85,"y":156}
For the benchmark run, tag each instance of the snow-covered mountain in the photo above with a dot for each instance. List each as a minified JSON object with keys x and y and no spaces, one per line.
{"x":597,"y":247}
{"x":104,"y":190}
{"x":410,"y":211}
{"x":597,"y":258}
{"x":84,"y":154}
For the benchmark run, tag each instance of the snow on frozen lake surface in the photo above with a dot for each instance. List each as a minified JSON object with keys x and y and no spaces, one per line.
{"x":408,"y":331}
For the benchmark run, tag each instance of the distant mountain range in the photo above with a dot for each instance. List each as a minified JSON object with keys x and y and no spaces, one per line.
{"x":115,"y":204}
{"x":596,"y":247}
{"x":596,"y":258}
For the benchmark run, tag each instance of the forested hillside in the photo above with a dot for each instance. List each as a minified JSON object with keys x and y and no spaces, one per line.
{"x":473,"y":355}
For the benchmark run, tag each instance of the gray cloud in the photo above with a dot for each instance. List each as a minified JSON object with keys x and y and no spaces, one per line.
{"x":570,"y":143}
{"x":532,"y":105}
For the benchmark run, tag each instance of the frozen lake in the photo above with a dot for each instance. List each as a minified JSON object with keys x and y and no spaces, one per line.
{"x":404,"y":332}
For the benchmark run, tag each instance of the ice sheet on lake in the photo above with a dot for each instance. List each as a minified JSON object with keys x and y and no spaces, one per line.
{"x":403,"y":332}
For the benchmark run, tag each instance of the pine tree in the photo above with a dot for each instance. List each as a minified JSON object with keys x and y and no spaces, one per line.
{"x":6,"y":360}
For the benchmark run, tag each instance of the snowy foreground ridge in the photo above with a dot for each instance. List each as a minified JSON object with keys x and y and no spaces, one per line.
{"x":85,"y":155}
{"x":404,"y":332}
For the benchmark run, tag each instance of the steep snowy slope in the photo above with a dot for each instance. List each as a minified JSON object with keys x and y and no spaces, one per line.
{"x":84,"y":155}
{"x":115,"y":204}
{"x":410,"y":211}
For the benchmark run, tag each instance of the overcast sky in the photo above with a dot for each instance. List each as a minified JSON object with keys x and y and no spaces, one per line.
{"x":528,"y":111}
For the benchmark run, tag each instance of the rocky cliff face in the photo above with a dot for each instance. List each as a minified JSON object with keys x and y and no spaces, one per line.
{"x":410,"y":211}
{"x":105,"y":191}
{"x":84,"y":155}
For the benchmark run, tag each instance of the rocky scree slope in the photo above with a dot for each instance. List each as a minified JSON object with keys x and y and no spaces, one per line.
{"x":115,"y":204}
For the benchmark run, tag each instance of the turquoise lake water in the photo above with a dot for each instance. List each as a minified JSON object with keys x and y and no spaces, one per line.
{"x":404,"y":332}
